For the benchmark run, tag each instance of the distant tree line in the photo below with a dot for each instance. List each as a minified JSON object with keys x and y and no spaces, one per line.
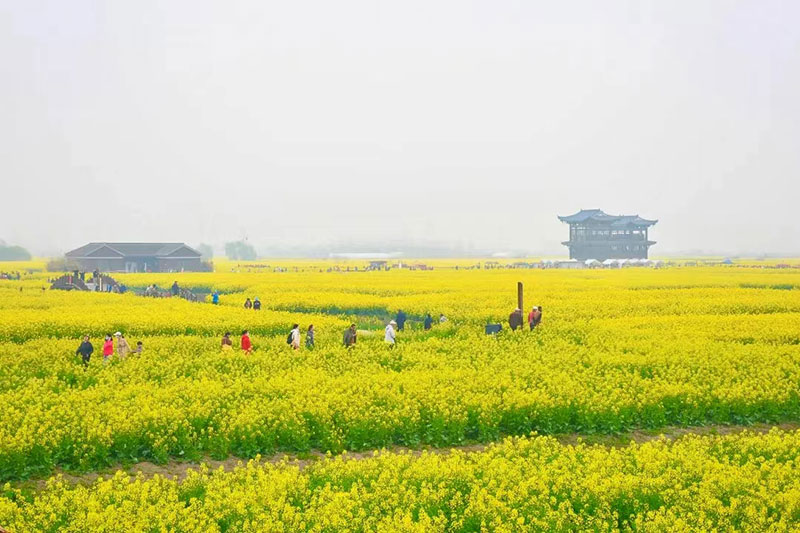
{"x":206,"y":251}
{"x":240,"y":250}
{"x":13,"y":253}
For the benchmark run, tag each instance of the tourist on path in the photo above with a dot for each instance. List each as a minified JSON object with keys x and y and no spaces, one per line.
{"x":85,"y":350}
{"x":401,"y":320}
{"x":295,"y":337}
{"x":215,"y":297}
{"x":227,"y":343}
{"x":428,"y":321}
{"x":310,"y":337}
{"x":247,"y":346}
{"x":350,"y":336}
{"x":176,"y":290}
{"x":248,"y":304}
{"x":390,"y":336}
{"x":123,"y":349}
{"x":108,"y":348}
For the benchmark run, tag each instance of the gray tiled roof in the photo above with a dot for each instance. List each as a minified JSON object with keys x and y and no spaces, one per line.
{"x":133,"y":249}
{"x":599,"y":216}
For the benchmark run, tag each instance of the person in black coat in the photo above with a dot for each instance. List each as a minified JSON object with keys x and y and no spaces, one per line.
{"x":85,"y":350}
{"x":515,"y":319}
{"x":401,"y":320}
{"x":428,"y":321}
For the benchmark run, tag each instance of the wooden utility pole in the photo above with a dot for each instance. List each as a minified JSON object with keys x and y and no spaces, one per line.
{"x":519,"y":296}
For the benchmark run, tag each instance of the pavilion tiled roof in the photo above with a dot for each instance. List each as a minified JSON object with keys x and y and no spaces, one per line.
{"x":599,"y":216}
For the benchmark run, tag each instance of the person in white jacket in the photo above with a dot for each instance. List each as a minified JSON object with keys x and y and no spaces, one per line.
{"x":390,"y":336}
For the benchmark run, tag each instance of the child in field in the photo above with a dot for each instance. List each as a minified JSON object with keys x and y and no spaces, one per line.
{"x":247,"y":346}
{"x":139,"y":348}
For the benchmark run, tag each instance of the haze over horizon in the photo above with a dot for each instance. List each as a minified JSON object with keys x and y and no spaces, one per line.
{"x":473,"y":124}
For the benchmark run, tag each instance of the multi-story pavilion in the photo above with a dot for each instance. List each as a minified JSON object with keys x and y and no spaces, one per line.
{"x":595,"y":235}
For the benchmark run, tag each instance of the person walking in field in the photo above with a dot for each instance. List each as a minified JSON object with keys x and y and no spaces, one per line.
{"x":139,"y":348}
{"x":350,"y":336}
{"x":85,"y":350}
{"x":294,"y":337}
{"x":227,"y":343}
{"x":538,"y":318}
{"x":428,"y":322}
{"x":532,"y":318}
{"x":176,"y":290}
{"x":442,"y":318}
{"x":390,"y":337}
{"x":515,"y":319}
{"x":256,"y":304}
{"x":310,"y":337}
{"x":108,"y":349}
{"x":215,"y":298}
{"x":248,"y":304}
{"x":247,"y":346}
{"x":123,"y":349}
{"x":401,"y":320}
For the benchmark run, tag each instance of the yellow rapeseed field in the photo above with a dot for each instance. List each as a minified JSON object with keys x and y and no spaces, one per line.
{"x":616,"y":350}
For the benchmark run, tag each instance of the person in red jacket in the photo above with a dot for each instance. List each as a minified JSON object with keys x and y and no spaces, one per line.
{"x":108,"y":348}
{"x":535,"y":316}
{"x":247,"y":346}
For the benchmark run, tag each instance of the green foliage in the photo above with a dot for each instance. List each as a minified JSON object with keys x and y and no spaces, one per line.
{"x":206,"y":251}
{"x":13,"y":253}
{"x":240,"y":250}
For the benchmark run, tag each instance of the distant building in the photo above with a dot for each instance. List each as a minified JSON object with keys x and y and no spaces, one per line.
{"x":596,"y":235}
{"x":378,"y":265}
{"x":136,"y":257}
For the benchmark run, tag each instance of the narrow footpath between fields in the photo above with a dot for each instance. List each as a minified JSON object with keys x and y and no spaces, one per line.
{"x":179,"y":469}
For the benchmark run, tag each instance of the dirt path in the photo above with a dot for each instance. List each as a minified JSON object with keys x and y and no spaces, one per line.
{"x":179,"y":469}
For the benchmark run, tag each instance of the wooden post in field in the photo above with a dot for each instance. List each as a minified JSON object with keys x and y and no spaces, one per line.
{"x":519,"y":295}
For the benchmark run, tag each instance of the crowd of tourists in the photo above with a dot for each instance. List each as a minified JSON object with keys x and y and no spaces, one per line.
{"x":295,"y":338}
{"x":123,"y":349}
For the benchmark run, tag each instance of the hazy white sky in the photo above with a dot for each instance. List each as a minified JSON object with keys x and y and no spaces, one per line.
{"x":476,"y":122}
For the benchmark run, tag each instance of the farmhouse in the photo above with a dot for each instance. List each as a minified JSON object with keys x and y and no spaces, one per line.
{"x":136,"y":257}
{"x":595,"y":235}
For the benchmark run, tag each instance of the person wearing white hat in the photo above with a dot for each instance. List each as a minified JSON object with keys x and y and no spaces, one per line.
{"x":390,"y":337}
{"x":123,"y":349}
